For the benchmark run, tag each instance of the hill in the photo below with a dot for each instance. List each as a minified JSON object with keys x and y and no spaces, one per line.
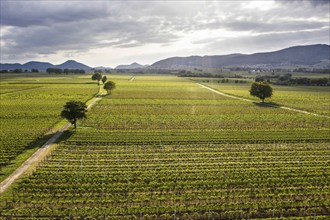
{"x":37,"y":65}
{"x":298,"y":55}
{"x":317,"y":56}
{"x":42,"y":66}
{"x":102,"y":68}
{"x":130,"y":66}
{"x":72,"y":64}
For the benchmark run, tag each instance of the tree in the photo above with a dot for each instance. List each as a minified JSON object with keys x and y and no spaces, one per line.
{"x":261,"y":90}
{"x":18,"y":71}
{"x":109,"y":86}
{"x":97,"y":76}
{"x":104,"y":79}
{"x":54,"y":70}
{"x":74,"y":110}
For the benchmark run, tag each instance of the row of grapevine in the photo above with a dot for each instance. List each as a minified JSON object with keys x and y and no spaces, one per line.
{"x":165,"y":148}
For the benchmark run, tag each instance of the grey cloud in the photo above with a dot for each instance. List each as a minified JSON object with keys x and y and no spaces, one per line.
{"x":39,"y":13}
{"x":45,"y":27}
{"x":311,"y":2}
{"x":285,"y":16}
{"x":83,"y":35}
{"x":307,"y":8}
{"x":258,"y":26}
{"x":47,"y":30}
{"x":269,"y":41}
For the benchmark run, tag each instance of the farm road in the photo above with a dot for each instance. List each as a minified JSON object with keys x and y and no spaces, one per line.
{"x":37,"y":156}
{"x":270,"y":105}
{"x":131,"y":79}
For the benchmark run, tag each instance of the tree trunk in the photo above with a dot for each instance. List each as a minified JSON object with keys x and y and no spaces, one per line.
{"x":75,"y":124}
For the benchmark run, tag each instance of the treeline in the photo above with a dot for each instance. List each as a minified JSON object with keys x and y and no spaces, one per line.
{"x":184,"y":73}
{"x":146,"y":71}
{"x":225,"y":81}
{"x":65,"y":71}
{"x":309,"y":81}
{"x":306,"y":70}
{"x":286,"y":79}
{"x":19,"y":71}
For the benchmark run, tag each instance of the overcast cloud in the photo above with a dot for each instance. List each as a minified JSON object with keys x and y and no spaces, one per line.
{"x":110,"y":33}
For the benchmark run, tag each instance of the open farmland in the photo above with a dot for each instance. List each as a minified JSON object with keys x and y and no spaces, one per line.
{"x":313,"y":99}
{"x":29,"y":112}
{"x":162,"y":147}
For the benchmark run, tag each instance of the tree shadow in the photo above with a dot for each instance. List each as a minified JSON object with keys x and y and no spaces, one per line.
{"x":43,"y":140}
{"x":89,"y":83}
{"x":36,"y":144}
{"x":65,"y":136}
{"x":267,"y":104}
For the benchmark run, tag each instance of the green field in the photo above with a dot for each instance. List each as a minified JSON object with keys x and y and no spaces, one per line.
{"x":315,"y":99}
{"x":29,"y":112}
{"x":163,"y":147}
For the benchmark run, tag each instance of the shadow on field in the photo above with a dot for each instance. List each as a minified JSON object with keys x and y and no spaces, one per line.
{"x":267,"y":104}
{"x":42,"y":140}
{"x":39,"y":141}
{"x":65,"y":136}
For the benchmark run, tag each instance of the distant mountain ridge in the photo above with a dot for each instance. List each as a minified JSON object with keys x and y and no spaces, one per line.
{"x":317,"y":55}
{"x":72,"y":64}
{"x":43,"y":66}
{"x":298,"y":55}
{"x":130,"y":66}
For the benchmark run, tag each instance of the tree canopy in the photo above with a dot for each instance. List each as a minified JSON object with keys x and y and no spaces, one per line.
{"x":109,"y":86}
{"x":74,"y":110}
{"x":97,"y":76}
{"x":261,"y":90}
{"x":104,"y":79}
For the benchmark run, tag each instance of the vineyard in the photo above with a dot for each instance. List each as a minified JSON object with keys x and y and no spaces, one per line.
{"x":163,"y":147}
{"x":30,"y":109}
{"x":314,"y":99}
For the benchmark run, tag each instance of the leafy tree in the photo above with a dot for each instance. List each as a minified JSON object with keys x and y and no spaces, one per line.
{"x":260,"y":78}
{"x":109,"y":86}
{"x":74,"y":110}
{"x":97,"y":76}
{"x":18,"y":71}
{"x":261,"y":90}
{"x":54,"y":70}
{"x":104,"y":79}
{"x":98,"y":71}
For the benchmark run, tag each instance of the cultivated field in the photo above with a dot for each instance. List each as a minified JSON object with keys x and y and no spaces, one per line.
{"x":163,"y":147}
{"x":314,"y":99}
{"x":29,"y":113}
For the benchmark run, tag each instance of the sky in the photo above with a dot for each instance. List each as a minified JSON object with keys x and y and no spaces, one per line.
{"x":110,"y":33}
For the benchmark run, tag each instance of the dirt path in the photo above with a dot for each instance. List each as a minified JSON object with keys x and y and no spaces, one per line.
{"x":131,"y":79}
{"x":39,"y":154}
{"x":270,"y":105}
{"x":98,"y":97}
